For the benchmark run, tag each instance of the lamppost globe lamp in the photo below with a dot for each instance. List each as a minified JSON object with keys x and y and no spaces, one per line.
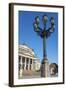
{"x":52,"y":20}
{"x":45,"y":18}
{"x":51,"y":30}
{"x":36,"y":29}
{"x":35,"y":25}
{"x":37,"y":20}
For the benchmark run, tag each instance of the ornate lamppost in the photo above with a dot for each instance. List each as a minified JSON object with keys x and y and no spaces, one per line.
{"x":44,"y":34}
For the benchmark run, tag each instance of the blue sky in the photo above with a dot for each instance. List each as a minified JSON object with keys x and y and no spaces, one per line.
{"x":28,"y":36}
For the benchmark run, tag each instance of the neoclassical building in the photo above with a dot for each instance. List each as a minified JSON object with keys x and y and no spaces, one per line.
{"x":27,"y":60}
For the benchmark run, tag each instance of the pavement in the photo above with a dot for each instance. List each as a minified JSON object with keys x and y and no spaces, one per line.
{"x":33,"y":74}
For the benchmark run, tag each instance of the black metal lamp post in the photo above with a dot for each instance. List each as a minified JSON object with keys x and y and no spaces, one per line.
{"x":44,"y":34}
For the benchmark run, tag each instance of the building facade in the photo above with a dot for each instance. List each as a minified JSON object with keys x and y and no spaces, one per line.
{"x":28,"y":62}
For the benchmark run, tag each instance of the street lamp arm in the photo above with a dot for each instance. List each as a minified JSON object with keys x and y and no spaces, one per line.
{"x":40,"y":28}
{"x":39,"y":33}
{"x":48,"y":33}
{"x":51,"y":30}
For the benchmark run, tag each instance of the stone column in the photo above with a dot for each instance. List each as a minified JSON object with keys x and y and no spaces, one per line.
{"x":20,"y":71}
{"x":25,"y":64}
{"x":45,"y":68}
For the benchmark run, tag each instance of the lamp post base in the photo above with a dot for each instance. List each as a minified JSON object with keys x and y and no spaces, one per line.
{"x":45,"y":68}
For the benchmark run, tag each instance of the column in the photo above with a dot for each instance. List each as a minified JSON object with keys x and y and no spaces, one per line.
{"x":25,"y":64}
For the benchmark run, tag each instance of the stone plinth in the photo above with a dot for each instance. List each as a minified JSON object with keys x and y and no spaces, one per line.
{"x":20,"y":73}
{"x":45,"y":68}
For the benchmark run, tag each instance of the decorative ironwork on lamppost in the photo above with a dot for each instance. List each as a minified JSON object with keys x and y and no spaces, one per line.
{"x":44,"y":34}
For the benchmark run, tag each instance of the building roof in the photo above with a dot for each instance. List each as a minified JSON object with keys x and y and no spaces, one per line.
{"x":27,"y":51}
{"x":24,"y":46}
